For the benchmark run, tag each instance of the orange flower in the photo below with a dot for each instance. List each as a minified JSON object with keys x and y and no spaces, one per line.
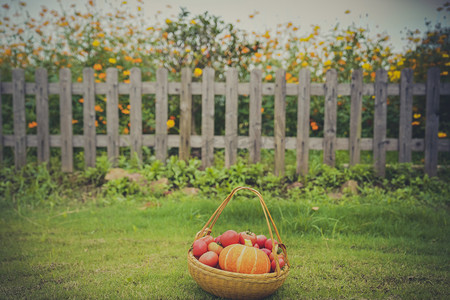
{"x":288,"y":76}
{"x":74,"y":121}
{"x":415,"y":123}
{"x":245,"y":50}
{"x":81,"y":100}
{"x":98,"y":108}
{"x":97,"y":67}
{"x":268,"y":77}
{"x":126,"y":130}
{"x":32,"y":124}
{"x":102,"y":75}
{"x":442,"y":135}
{"x":172,"y":117}
{"x":126,"y":112}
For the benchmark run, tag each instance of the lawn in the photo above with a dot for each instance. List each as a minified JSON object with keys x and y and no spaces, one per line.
{"x":359,"y":246}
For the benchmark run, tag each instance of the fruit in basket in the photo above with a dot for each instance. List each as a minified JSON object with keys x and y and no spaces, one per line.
{"x":229,"y":237}
{"x":261,"y":240}
{"x":266,"y":251}
{"x":274,"y":266}
{"x":209,"y":258}
{"x":269,"y":245}
{"x":199,"y":247}
{"x":213,"y":246}
{"x":247,"y":235}
{"x":208,"y":239}
{"x":241,"y":259}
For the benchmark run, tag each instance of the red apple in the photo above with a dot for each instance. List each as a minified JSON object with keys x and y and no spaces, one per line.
{"x":209,"y":258}
{"x":269,"y":245}
{"x":229,"y":237}
{"x":208,"y":239}
{"x":274,"y":266}
{"x":266,"y":251}
{"x":199,"y":247}
{"x":261,"y":240}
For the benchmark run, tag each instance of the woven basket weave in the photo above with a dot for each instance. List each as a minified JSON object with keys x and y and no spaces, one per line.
{"x":236,"y":285}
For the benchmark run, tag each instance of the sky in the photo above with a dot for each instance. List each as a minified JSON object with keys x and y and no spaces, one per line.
{"x":393,"y":17}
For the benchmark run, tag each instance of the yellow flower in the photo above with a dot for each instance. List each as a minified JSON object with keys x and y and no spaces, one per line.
{"x":126,"y":73}
{"x":193,"y":22}
{"x":367,"y":67}
{"x":268,"y":77}
{"x":327,"y":63}
{"x":417,"y":116}
{"x":288,"y":76}
{"x":198,"y":72}
{"x":168,"y":21}
{"x":347,"y":11}
{"x":96,"y":43}
{"x":442,"y":135}
{"x":304,"y":64}
{"x":112,"y":60}
{"x":170,"y":123}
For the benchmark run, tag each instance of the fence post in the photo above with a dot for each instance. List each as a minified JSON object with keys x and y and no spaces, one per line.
{"x":380,"y":119}
{"x":255,"y":106}
{"x":161,"y":113}
{"x":406,"y":104}
{"x":136,"y":112}
{"x":303,"y":114}
{"x":231,"y":117}
{"x":90,"y":142}
{"x":20,"y":138}
{"x":1,"y":127}
{"x":432,"y":121}
{"x":330,"y":119}
{"x":42,"y":118}
{"x":65,"y":108}
{"x":185,"y":113}
{"x":208,"y":117}
{"x":280,"y":121}
{"x":355,"y":117}
{"x":112,"y":114}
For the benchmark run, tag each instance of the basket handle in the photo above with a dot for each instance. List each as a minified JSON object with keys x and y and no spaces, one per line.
{"x":206,"y":230}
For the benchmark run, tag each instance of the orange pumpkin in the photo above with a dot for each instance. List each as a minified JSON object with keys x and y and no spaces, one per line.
{"x":244,"y":259}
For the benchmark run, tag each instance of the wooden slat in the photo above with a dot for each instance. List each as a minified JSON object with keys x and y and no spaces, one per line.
{"x":208,"y":117}
{"x":1,"y":127}
{"x":136,"y":112}
{"x":65,"y":110}
{"x":280,"y":121}
{"x":330,"y":119}
{"x":20,"y":144}
{"x":355,"y":117}
{"x":231,"y":117}
{"x":185,"y":113}
{"x":255,"y":122}
{"x":42,"y":117}
{"x":90,"y":145}
{"x":303,"y":115}
{"x":380,"y":123}
{"x":406,"y":105}
{"x":112,"y":115}
{"x":161,"y":114}
{"x":432,"y":121}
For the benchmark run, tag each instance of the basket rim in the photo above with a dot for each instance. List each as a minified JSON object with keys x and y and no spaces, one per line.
{"x":266,"y":277}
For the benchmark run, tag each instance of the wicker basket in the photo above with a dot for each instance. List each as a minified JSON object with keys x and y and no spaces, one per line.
{"x":236,"y":285}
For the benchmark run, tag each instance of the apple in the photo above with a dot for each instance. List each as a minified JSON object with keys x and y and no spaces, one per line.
{"x":261,"y":240}
{"x":269,"y":245}
{"x":199,"y":247}
{"x":274,"y":266}
{"x":209,"y":258}
{"x":213,"y":246}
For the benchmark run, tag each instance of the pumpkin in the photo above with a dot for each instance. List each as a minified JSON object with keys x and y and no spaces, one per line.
{"x":244,"y":259}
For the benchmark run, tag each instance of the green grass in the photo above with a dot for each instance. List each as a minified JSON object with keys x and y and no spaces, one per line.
{"x":357,"y":247}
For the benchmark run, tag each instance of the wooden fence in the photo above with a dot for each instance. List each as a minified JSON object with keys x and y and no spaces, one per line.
{"x":207,"y":141}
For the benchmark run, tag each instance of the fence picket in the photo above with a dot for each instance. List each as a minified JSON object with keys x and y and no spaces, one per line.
{"x":90,"y":143}
{"x":255,"y":106}
{"x":65,"y":108}
{"x":185,"y":113}
{"x":1,"y":126}
{"x":303,"y":114}
{"x":432,"y":121}
{"x":330,"y":118}
{"x":42,"y":118}
{"x":406,"y":105}
{"x":380,"y":123}
{"x":354,"y":147}
{"x":208,"y":117}
{"x":161,"y":114}
{"x":280,"y":121}
{"x":112,"y":114}
{"x":231,"y":117}
{"x":136,"y":112}
{"x":20,"y":138}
